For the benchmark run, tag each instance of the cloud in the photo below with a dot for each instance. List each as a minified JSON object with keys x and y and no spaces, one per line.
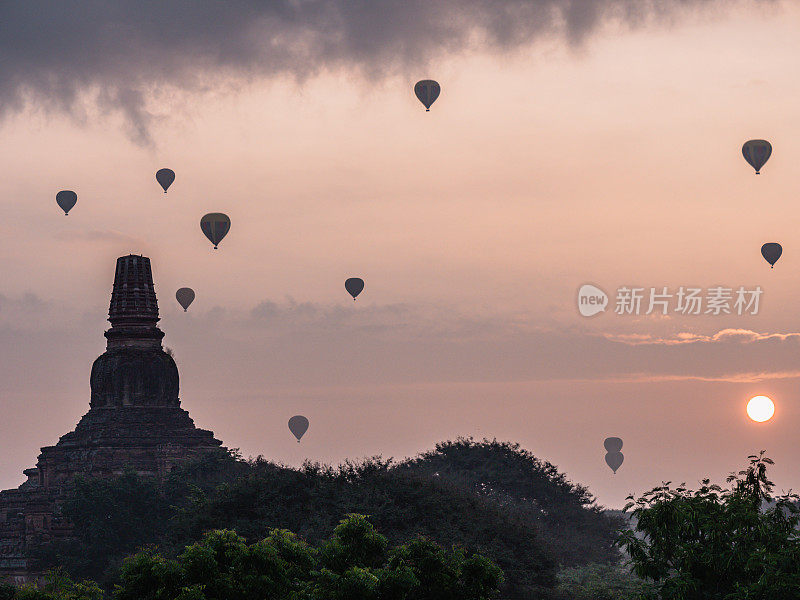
{"x":22,"y":306}
{"x":61,"y":54}
{"x":735,"y":335}
{"x":291,"y":343}
{"x":746,"y":377}
{"x":288,"y":343}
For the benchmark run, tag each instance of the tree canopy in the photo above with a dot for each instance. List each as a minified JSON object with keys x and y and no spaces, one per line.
{"x":714,"y":543}
{"x":577,"y":530}
{"x":57,"y":585}
{"x":487,"y":497}
{"x":354,"y":563}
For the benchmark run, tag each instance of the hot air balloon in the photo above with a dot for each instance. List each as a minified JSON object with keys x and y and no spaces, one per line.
{"x":185,"y":296}
{"x":66,"y":199}
{"x":298,"y":425}
{"x":757,"y":152}
{"x":614,"y":457}
{"x":427,"y":91}
{"x":354,"y":285}
{"x":215,"y":226}
{"x":614,"y":460}
{"x":771,"y":251}
{"x":165,"y":177}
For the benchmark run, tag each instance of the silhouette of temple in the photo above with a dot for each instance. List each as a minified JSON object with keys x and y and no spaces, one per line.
{"x":134,"y":421}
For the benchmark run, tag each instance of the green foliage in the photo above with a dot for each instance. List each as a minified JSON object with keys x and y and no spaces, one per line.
{"x":56,"y":586}
{"x":718,"y":544}
{"x":356,"y":563}
{"x":603,"y":582}
{"x":354,"y":543}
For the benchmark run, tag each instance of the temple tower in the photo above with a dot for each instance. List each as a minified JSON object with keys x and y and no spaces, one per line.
{"x":135,"y":421}
{"x":134,"y":370}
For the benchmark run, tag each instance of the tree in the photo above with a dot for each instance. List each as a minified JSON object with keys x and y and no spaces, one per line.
{"x":739,"y":543}
{"x":488,"y":497}
{"x":356,"y":563}
{"x":602,"y":582}
{"x":402,"y":503}
{"x":575,"y":530}
{"x":112,"y":517}
{"x":56,"y":586}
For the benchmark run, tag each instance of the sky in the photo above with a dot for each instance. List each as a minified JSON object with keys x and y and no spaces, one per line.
{"x":573,"y":143}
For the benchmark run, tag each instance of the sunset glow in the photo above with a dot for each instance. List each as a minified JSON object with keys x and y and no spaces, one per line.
{"x":609,"y":159}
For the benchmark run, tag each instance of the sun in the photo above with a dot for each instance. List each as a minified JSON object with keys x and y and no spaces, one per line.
{"x":760,"y":409}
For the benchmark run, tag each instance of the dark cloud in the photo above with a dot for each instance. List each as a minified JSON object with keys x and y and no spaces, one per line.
{"x":62,"y":53}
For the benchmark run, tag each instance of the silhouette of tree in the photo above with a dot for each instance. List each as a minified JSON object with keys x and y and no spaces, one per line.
{"x":739,"y":543}
{"x":577,"y":530}
{"x":487,"y":497}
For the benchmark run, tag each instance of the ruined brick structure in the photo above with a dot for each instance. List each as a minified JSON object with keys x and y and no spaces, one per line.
{"x":134,"y":421}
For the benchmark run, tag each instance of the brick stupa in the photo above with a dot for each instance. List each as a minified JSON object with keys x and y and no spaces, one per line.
{"x":134,"y":421}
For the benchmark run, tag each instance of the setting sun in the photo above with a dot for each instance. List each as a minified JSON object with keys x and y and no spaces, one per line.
{"x":760,"y":409}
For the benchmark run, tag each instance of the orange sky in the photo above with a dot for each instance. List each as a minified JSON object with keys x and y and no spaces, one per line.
{"x":473,"y":225}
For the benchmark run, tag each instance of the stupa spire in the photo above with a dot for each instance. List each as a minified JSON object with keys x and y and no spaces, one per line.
{"x":134,"y":370}
{"x":134,"y":308}
{"x":133,"y":298}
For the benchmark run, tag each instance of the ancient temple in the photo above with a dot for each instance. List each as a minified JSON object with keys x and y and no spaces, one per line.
{"x":134,"y":421}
